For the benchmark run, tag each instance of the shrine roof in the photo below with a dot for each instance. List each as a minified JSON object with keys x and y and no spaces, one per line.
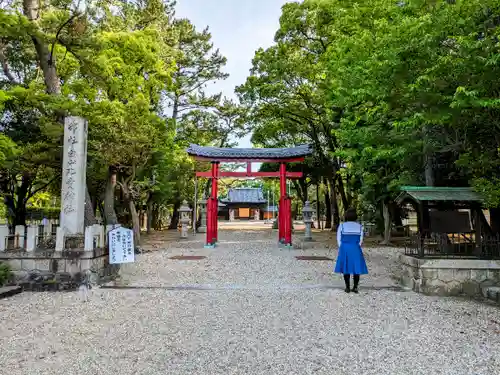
{"x":439,"y":194}
{"x":244,"y":195}
{"x":246,"y":154}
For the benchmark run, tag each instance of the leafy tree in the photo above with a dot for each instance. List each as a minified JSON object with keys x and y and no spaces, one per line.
{"x":388,"y":93}
{"x":112,"y":68}
{"x":197,"y":64}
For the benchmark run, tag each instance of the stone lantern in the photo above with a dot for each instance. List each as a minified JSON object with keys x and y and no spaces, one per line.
{"x":203,"y":210}
{"x":307,"y":212}
{"x":185,"y":213}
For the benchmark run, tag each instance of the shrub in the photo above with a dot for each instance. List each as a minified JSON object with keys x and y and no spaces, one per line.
{"x":5,"y":273}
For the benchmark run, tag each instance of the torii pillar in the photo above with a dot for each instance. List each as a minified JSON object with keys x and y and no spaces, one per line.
{"x":213,"y":208}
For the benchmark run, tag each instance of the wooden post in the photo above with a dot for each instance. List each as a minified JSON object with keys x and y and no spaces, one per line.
{"x":195,"y":203}
{"x":479,"y":242}
{"x":208,"y":241}
{"x":423,"y":228}
{"x":215,"y":188}
{"x":213,"y":194}
{"x":282,"y":207}
{"x":212,"y":209}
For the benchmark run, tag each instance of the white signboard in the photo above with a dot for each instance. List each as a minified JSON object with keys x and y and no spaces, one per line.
{"x":121,"y":246}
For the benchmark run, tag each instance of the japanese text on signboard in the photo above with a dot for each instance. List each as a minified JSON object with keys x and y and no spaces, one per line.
{"x":121,"y":246}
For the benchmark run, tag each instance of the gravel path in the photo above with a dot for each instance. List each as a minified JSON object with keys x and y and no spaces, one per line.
{"x":267,"y":313}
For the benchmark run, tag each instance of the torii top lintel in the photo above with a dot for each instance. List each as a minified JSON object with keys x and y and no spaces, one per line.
{"x":263,"y":155}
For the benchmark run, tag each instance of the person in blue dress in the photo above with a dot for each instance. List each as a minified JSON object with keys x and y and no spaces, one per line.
{"x":350,"y":260}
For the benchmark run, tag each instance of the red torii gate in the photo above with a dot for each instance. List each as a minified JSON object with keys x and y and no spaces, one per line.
{"x":216,"y":155}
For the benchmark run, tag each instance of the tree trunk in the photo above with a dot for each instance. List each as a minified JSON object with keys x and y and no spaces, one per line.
{"x":304,"y":187}
{"x":149,"y":213}
{"x":89,"y":218}
{"x":136,"y":224}
{"x":109,"y":199}
{"x":387,"y":223}
{"x":18,"y":213}
{"x":100,"y":207}
{"x":175,"y":109}
{"x":328,"y":208}
{"x":428,"y":159}
{"x":21,"y":199}
{"x":206,"y":190}
{"x":298,"y":189}
{"x":346,"y":201}
{"x":174,"y":221}
{"x":134,"y":216}
{"x":318,"y":213}
{"x":429,"y":171}
{"x":15,"y":201}
{"x":296,"y":211}
{"x":46,"y":61}
{"x":335,"y":205}
{"x":140,"y":214}
{"x":395,"y":212}
{"x":335,"y":211}
{"x":154,"y":218}
{"x":95,"y":204}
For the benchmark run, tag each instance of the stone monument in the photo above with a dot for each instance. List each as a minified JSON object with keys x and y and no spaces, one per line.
{"x":184,"y":212}
{"x":231,"y":214}
{"x":307,"y":212}
{"x":80,"y":248}
{"x":73,"y":182}
{"x":203,"y":211}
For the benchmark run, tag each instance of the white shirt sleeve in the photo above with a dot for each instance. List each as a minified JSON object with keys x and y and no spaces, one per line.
{"x":339,"y":235}
{"x":361,"y":236}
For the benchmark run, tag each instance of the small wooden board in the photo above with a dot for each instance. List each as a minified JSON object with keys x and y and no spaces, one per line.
{"x":312,"y":257}
{"x":188,"y":257}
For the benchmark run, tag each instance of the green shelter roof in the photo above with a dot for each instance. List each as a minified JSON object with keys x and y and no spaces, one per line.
{"x":430,"y":193}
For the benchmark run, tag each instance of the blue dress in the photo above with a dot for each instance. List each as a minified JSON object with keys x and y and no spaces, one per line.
{"x":350,"y":260}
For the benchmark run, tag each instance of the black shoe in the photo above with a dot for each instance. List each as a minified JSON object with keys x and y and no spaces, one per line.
{"x":347,"y":290}
{"x":355,"y":290}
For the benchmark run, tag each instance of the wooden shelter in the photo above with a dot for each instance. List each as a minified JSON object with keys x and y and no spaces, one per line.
{"x":450,"y":222}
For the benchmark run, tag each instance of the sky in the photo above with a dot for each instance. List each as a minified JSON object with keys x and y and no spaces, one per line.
{"x":238,"y":28}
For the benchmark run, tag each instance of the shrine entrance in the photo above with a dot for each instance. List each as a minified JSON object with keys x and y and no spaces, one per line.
{"x":216,"y":155}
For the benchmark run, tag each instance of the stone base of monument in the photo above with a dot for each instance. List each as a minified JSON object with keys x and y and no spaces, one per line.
{"x":45,"y":263}
{"x":58,"y":270}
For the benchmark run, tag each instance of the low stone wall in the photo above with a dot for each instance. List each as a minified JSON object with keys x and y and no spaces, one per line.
{"x":449,"y":277}
{"x":58,"y":270}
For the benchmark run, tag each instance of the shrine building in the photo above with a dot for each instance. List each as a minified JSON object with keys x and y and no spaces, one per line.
{"x":243,"y":204}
